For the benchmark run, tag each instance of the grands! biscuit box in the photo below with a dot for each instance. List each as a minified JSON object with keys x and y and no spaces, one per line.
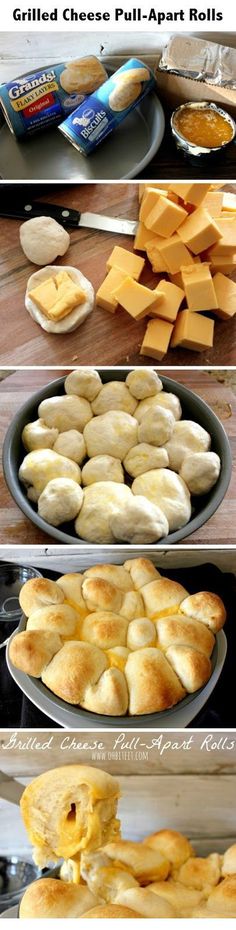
{"x":104,"y":110}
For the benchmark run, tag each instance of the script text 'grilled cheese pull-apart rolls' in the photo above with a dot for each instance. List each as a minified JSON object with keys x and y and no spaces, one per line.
{"x":117,"y":639}
{"x":116,"y":458}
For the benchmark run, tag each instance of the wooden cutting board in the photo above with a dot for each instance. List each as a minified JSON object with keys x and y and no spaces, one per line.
{"x":104,"y":338}
{"x":16,"y":529}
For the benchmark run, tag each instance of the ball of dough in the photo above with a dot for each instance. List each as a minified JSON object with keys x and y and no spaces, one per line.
{"x":143,"y":457}
{"x":102,"y":468}
{"x":166,"y":400}
{"x":114,"y":396}
{"x":200,"y":471}
{"x":165,"y":488}
{"x":101,"y":501}
{"x":60,"y":501}
{"x":71,"y":444}
{"x":140,"y":522}
{"x":112,"y":433}
{"x":66,"y":412}
{"x":83,"y":381}
{"x":141,"y":633}
{"x":43,"y":239}
{"x":157,"y":426}
{"x":37,"y":435}
{"x":187,"y":437}
{"x":143,"y":382}
{"x":41,"y":466}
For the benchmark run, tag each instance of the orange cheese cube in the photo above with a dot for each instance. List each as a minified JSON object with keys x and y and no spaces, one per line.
{"x":199,"y":231}
{"x":225,"y":263}
{"x":172,"y":296}
{"x":143,"y":187}
{"x":157,"y":339}
{"x":165,"y":217}
{"x":141,"y":238}
{"x":154,"y":255}
{"x":178,"y":277}
{"x":135,"y":298}
{"x":175,"y":253}
{"x":149,"y":201}
{"x":199,"y":287}
{"x":193,"y":331}
{"x":126,"y":261}
{"x":226,"y":296}
{"x":105,"y":296}
{"x":213,"y":202}
{"x":227,"y":242}
{"x":191,"y":193}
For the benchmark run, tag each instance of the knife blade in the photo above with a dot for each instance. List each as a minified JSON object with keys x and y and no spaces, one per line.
{"x":10,"y":789}
{"x":68,"y":217}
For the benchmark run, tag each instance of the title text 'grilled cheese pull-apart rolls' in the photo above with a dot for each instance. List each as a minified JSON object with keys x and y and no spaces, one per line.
{"x":117,"y":639}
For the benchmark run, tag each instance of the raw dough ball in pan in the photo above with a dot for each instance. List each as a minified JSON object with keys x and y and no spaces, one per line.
{"x":60,"y":501}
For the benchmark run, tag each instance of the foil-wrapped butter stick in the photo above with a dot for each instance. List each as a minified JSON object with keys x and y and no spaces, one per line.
{"x":194,"y":58}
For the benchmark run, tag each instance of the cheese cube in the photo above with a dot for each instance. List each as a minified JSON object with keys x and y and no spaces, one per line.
{"x":57,"y":297}
{"x":157,"y":339}
{"x":157,"y":260}
{"x":165,"y":217}
{"x":135,"y":298}
{"x":229,"y":202}
{"x":126,"y":261}
{"x":174,"y":253}
{"x":227,"y":242}
{"x":226,"y":296}
{"x":143,"y":187}
{"x":199,"y":287}
{"x":199,"y":231}
{"x":225,"y":263}
{"x":193,"y":331}
{"x":191,"y":193}
{"x":149,"y":201}
{"x":213,"y":202}
{"x":169,"y":305}
{"x":178,"y":277}
{"x":105,"y":296}
{"x":141,"y":238}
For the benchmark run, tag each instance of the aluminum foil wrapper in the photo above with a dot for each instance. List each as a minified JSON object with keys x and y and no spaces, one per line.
{"x":194,"y":58}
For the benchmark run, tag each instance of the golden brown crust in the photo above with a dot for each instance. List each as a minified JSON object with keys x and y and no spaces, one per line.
{"x":153,"y":685}
{"x":191,"y":666}
{"x":100,"y":594}
{"x":223,"y":898}
{"x":116,"y":574}
{"x":32,"y":650}
{"x":171,"y":844}
{"x":183,"y":631}
{"x":162,"y":595}
{"x":104,"y":629}
{"x":229,"y":861}
{"x":63,"y":620}
{"x":142,"y":571}
{"x":72,"y":669}
{"x":206,"y":607}
{"x":199,"y":873}
{"x":112,"y":911}
{"x":145,"y":864}
{"x":51,"y":898}
{"x":39,"y":592}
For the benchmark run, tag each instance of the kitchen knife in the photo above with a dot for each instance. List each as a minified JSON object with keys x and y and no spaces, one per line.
{"x":10,"y":789}
{"x":67,"y":217}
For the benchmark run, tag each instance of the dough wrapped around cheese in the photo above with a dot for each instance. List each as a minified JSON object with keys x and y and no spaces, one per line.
{"x":139,"y":521}
{"x":60,"y":501}
{"x":41,"y":466}
{"x":114,"y":396}
{"x":229,"y":861}
{"x":147,"y":903}
{"x":187,"y":437}
{"x":182,"y":898}
{"x":109,"y":696}
{"x":152,"y":683}
{"x":192,"y":667}
{"x":157,"y":426}
{"x":222,"y":899}
{"x":66,"y":412}
{"x":162,"y":596}
{"x":104,"y":629}
{"x":68,"y":809}
{"x":112,"y":433}
{"x":73,"y":317}
{"x":37,"y":435}
{"x":71,"y":587}
{"x":77,"y":665}
{"x":62,"y":619}
{"x":85,"y":382}
{"x":102,"y":468}
{"x":52,"y":898}
{"x":116,"y":574}
{"x":200,"y":471}
{"x":171,"y":844}
{"x":144,"y":864}
{"x":163,"y":487}
{"x":103,"y":878}
{"x":39,"y":592}
{"x":142,"y":571}
{"x":166,"y":400}
{"x":145,"y":457}
{"x":200,"y":873}
{"x":206,"y":607}
{"x":101,"y":501}
{"x":111,"y":911}
{"x":99,"y":593}
{"x":178,"y":630}
{"x":141,"y":633}
{"x":71,"y":444}
{"x":32,"y":650}
{"x":143,"y":382}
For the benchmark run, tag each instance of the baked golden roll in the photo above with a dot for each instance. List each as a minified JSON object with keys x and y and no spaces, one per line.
{"x":201,"y":874}
{"x":223,"y":898}
{"x":206,"y":607}
{"x":71,"y":586}
{"x":109,"y":696}
{"x":111,"y":911}
{"x":51,"y":897}
{"x":171,"y":844}
{"x":77,"y":665}
{"x":142,"y":571}
{"x":103,"y":879}
{"x":145,"y":864}
{"x":32,"y":650}
{"x":116,"y":574}
{"x":181,"y":631}
{"x":100,"y":594}
{"x":62,"y":619}
{"x":132,"y":605}
{"x":191,"y":666}
{"x":152,"y":683}
{"x":104,"y":629}
{"x":182,"y":898}
{"x":147,"y":903}
{"x":39,"y":592}
{"x":162,"y":596}
{"x":229,"y":861}
{"x":69,"y":809}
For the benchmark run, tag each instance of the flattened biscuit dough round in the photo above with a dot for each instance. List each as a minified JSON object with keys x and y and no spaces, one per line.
{"x":77,"y":316}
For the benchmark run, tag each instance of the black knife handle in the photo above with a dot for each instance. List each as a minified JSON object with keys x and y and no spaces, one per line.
{"x":27,"y":209}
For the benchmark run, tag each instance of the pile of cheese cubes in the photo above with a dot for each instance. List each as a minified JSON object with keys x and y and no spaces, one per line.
{"x":188,"y":232}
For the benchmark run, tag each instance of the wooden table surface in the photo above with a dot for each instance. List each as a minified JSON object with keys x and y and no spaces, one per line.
{"x":16,"y":529}
{"x":104,"y":338}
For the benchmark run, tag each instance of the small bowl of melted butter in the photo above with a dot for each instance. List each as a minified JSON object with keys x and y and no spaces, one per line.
{"x":202,"y":129}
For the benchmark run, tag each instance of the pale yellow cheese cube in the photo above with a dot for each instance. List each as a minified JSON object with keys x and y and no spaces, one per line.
{"x":155,"y":258}
{"x":141,"y":238}
{"x":229,"y":202}
{"x":193,"y":331}
{"x":224,"y":263}
{"x":143,"y":187}
{"x":126,"y":261}
{"x":172,"y":297}
{"x":178,"y":277}
{"x":191,"y":193}
{"x":165,"y":217}
{"x":135,"y":298}
{"x":157,"y":339}
{"x":199,"y":287}
{"x":175,"y":253}
{"x":57,"y":296}
{"x":225,"y":290}
{"x":44,"y":295}
{"x":200,"y":231}
{"x":105,"y":296}
{"x":149,"y":201}
{"x":213,"y":202}
{"x":227,"y":242}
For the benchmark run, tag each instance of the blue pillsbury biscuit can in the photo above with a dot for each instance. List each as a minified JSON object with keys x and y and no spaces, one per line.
{"x":104,"y":110}
{"x":38,"y":99}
